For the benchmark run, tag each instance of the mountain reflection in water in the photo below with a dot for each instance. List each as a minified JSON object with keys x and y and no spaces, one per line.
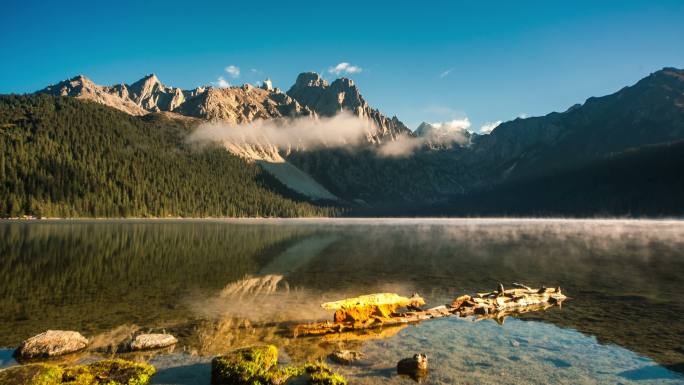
{"x":224,"y":284}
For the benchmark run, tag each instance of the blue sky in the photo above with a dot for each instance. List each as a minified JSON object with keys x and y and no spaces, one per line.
{"x":421,"y":61}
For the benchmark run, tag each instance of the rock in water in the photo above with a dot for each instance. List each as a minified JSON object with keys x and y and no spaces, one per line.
{"x":110,"y":372}
{"x":258,"y":365}
{"x":415,"y":367}
{"x":245,"y":366}
{"x":152,"y":341}
{"x":52,"y":343}
{"x":345,"y":357}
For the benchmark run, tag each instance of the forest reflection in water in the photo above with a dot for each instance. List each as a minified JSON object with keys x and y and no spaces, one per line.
{"x":222,"y":284}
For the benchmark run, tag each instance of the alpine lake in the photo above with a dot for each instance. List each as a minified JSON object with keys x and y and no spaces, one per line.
{"x":218,"y":285}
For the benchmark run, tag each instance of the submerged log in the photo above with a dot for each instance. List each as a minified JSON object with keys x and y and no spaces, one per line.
{"x":376,"y":310}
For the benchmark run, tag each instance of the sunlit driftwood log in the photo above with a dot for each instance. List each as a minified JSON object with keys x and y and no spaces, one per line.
{"x":371,"y":307}
{"x":375,"y":310}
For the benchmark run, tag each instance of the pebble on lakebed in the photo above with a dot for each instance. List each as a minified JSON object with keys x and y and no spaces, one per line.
{"x":345,"y":357}
{"x":110,"y":372}
{"x":51,"y":343}
{"x":259,"y":365}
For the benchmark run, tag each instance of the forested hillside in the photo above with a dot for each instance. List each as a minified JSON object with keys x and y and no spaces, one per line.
{"x":647,"y":181}
{"x":62,"y":157}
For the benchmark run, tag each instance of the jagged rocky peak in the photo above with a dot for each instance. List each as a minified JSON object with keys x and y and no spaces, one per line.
{"x":149,"y":94}
{"x":311,"y":95}
{"x":147,"y":84}
{"x":267,"y":85}
{"x":82,"y":79}
{"x":236,"y":105}
{"x":70,"y":87}
{"x":310,"y":79}
{"x":326,"y":99}
{"x":152,"y":95}
{"x":422,"y":129}
{"x":83,"y":88}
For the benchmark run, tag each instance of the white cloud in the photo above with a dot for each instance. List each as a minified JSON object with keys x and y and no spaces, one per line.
{"x":401,"y":147}
{"x":523,"y":115}
{"x":440,"y":134}
{"x":446,"y":73}
{"x":488,"y":127}
{"x":445,"y":133}
{"x":343,"y":129}
{"x":344,"y":68}
{"x":233,"y":71}
{"x":221,"y":82}
{"x":453,"y":125}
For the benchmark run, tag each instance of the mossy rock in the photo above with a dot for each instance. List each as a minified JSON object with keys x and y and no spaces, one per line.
{"x":320,"y":374}
{"x":248,"y":366}
{"x":109,"y":372}
{"x":33,"y":374}
{"x":258,"y":365}
{"x":106,"y":372}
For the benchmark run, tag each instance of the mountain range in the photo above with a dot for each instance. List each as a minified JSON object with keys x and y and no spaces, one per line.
{"x":435,"y":170}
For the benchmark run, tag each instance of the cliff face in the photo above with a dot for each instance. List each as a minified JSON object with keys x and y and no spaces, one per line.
{"x":342,"y":94}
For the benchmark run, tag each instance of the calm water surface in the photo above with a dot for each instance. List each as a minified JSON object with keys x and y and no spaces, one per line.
{"x":219,"y":285}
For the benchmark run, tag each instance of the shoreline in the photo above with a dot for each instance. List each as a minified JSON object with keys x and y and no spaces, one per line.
{"x":351,"y":220}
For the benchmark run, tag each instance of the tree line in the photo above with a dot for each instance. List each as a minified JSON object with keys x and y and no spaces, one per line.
{"x":64,"y":157}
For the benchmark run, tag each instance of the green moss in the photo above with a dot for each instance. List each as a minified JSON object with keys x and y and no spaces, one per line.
{"x":321,"y":374}
{"x":107,"y":372}
{"x":248,"y":366}
{"x":34,"y":374}
{"x":259,"y":366}
{"x":280,"y":375}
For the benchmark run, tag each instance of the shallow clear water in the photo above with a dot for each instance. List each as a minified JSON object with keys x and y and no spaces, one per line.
{"x":219,"y":285}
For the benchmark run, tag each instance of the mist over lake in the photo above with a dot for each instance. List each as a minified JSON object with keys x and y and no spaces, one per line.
{"x":223,"y":284}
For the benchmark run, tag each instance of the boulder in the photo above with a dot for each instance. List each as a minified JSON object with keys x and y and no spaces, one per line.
{"x":152,"y":341}
{"x":52,"y":343}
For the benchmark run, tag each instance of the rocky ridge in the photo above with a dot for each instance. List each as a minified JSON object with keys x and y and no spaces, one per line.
{"x":234,"y":105}
{"x":328,"y":99}
{"x":310,"y":97}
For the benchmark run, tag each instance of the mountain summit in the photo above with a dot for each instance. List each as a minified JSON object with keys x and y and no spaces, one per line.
{"x":342,"y":94}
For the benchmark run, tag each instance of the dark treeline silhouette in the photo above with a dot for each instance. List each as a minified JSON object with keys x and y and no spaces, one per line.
{"x":643,"y":182}
{"x":648,"y":181}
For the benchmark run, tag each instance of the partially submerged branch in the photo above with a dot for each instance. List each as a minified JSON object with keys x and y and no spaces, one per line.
{"x":376,"y":310}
